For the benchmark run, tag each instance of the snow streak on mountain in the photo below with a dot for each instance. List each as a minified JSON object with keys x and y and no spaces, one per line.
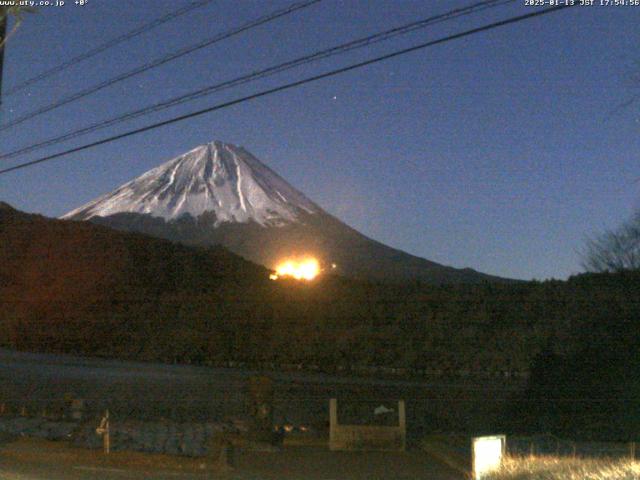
{"x":217,"y":178}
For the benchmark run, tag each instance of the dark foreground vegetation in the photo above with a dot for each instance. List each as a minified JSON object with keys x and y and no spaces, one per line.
{"x":80,"y":288}
{"x":554,"y":468}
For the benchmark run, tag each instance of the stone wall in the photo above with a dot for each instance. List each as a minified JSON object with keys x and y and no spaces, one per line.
{"x":189,"y":439}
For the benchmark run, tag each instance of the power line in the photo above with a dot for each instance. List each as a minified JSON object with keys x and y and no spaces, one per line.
{"x":318,"y":55}
{"x":107,"y":45}
{"x":160,"y":61}
{"x":291,"y":85}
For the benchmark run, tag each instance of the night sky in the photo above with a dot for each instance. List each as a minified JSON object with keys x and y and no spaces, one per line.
{"x":501,"y":151}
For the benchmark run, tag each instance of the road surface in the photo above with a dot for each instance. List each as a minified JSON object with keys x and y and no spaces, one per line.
{"x":42,"y":460}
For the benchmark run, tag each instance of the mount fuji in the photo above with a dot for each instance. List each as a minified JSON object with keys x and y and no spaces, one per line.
{"x":219,"y":193}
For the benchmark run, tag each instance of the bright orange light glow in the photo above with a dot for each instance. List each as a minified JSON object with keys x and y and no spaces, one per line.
{"x":306,"y":269}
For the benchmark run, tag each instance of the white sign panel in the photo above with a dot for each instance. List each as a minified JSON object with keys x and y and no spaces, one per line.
{"x":487,"y":454}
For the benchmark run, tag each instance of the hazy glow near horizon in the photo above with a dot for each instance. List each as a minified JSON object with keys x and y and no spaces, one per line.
{"x":306,"y":269}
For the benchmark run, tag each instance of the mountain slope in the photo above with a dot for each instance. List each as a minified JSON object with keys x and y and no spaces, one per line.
{"x":79,"y":287}
{"x":221,"y":194}
{"x":224,"y":181}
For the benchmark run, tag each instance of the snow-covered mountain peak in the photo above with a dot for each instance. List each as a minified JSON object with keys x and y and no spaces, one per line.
{"x":218,"y":178}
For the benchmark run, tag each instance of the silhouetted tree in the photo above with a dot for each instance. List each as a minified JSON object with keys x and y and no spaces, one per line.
{"x":615,"y":250}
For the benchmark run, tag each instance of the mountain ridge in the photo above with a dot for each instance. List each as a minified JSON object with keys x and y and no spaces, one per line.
{"x":219,"y":193}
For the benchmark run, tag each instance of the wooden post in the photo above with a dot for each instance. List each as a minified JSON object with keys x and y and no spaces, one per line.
{"x":532,"y":449}
{"x":632,"y":450}
{"x":402,"y":423}
{"x":333,"y":420}
{"x":103,"y":430}
{"x":574,"y":450}
{"x":107,"y":436}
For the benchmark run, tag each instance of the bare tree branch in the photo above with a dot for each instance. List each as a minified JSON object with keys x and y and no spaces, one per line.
{"x":614,"y":250}
{"x":15,"y":12}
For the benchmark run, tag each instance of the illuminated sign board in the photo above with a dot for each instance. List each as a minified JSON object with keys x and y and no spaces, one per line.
{"x":486,"y":454}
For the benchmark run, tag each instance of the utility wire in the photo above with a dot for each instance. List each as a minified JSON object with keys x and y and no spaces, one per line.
{"x":291,"y":85}
{"x":256,"y":75}
{"x":107,"y":45}
{"x":160,"y":61}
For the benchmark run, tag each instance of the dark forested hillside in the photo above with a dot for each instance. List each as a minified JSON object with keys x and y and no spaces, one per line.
{"x":81,"y":288}
{"x":586,"y":383}
{"x":70,"y":286}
